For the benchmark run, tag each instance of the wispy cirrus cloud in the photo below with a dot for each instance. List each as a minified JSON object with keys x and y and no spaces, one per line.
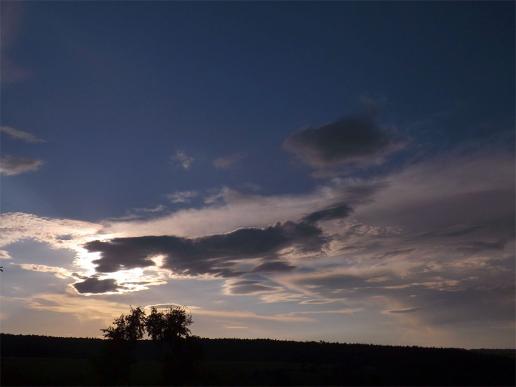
{"x":14,"y":165}
{"x":19,"y":134}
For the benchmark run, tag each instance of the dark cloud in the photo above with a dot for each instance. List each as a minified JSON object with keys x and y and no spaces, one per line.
{"x":214,"y":254}
{"x":335,"y":212}
{"x":95,"y":285}
{"x":274,"y":266}
{"x":352,"y":140}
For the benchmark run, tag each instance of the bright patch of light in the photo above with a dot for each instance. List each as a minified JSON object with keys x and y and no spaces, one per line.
{"x":84,"y":260}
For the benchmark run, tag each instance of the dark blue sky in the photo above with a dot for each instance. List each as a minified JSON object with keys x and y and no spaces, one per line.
{"x":116,"y":88}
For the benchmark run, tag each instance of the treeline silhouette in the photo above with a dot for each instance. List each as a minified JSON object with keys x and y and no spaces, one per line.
{"x":42,"y":360}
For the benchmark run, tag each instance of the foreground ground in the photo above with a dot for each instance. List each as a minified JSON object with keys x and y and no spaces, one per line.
{"x":39,"y":360}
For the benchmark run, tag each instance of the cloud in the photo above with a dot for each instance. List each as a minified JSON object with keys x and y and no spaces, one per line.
{"x":4,"y":254}
{"x":84,"y":308}
{"x":158,"y":208}
{"x":95,"y":285}
{"x":245,"y":315}
{"x":58,"y":233}
{"x":334,"y":212}
{"x":228,"y":161}
{"x":182,"y":196}
{"x":213,"y":254}
{"x":355,"y":140}
{"x":437,"y":235}
{"x":236,"y":314}
{"x":19,"y":134}
{"x":183,"y":159}
{"x":234,"y":209}
{"x":448,"y":195}
{"x":248,"y":287}
{"x":405,"y":310}
{"x":59,"y":272}
{"x":13,"y":165}
{"x":273,"y":266}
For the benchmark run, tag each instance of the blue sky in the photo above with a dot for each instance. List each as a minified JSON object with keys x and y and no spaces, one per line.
{"x":390,"y":124}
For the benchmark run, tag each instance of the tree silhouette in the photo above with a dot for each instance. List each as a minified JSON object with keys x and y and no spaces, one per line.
{"x":155,"y":324}
{"x":170,"y":326}
{"x":177,"y":321}
{"x":116,"y":332}
{"x":167,"y":329}
{"x":129,"y":327}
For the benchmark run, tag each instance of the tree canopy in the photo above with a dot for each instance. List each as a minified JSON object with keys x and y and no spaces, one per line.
{"x":171,"y":325}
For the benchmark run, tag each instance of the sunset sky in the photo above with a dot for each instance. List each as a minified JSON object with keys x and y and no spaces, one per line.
{"x":307,"y":171}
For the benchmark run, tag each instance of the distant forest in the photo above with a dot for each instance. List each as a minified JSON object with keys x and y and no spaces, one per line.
{"x":42,"y":360}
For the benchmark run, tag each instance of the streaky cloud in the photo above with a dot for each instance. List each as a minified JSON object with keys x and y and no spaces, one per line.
{"x":14,"y":165}
{"x":19,"y":134}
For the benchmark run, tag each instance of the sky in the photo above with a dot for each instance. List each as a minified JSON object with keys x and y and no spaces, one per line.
{"x":335,"y":171}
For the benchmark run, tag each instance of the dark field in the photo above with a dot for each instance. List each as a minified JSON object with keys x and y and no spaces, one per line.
{"x":37,"y":360}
